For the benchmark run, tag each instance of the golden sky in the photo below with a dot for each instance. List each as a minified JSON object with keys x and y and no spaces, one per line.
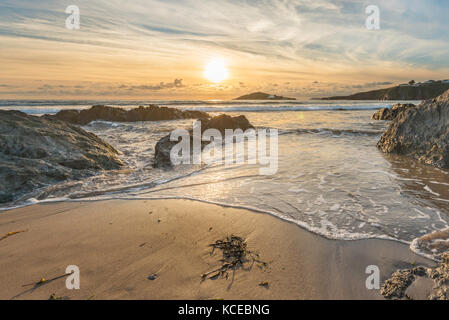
{"x":162,"y":49}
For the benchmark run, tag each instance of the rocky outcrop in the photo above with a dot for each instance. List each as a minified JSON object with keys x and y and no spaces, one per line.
{"x":421,"y":133}
{"x":262,"y":96}
{"x":151,"y":113}
{"x":35,"y":152}
{"x":412,"y":91}
{"x":396,"y":287}
{"x":221,"y":123}
{"x":391,"y":113}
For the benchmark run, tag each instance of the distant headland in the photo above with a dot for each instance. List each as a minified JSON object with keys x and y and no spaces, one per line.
{"x":262,"y":96}
{"x":408,"y":91}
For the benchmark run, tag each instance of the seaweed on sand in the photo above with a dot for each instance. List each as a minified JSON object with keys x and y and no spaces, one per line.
{"x":234,"y":254}
{"x":9,"y":234}
{"x":45,"y":281}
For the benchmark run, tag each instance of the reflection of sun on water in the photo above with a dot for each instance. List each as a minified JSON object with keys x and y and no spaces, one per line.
{"x":216,"y":71}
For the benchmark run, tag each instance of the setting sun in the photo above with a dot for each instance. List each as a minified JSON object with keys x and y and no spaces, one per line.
{"x":216,"y":71}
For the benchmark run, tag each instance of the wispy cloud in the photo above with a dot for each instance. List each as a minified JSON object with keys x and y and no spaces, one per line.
{"x":144,"y":45}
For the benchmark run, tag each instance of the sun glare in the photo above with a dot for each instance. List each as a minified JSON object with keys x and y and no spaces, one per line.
{"x":216,"y":71}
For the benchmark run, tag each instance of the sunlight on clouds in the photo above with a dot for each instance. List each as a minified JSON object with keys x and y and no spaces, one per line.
{"x":143,"y":43}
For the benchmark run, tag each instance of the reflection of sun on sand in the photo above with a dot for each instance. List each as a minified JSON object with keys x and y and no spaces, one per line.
{"x":159,"y":249}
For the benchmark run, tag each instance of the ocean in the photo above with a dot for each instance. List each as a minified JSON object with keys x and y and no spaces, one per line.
{"x":331,"y":178}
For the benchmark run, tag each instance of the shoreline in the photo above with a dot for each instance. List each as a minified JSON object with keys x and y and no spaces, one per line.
{"x":117,"y":244}
{"x":219,"y":204}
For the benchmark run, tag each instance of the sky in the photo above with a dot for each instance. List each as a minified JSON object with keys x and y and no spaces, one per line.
{"x":149,"y":49}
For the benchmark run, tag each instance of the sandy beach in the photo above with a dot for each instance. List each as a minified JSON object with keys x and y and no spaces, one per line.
{"x":118,"y":244}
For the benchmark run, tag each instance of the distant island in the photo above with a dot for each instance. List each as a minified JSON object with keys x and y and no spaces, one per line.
{"x":262,"y":96}
{"x":409,"y":91}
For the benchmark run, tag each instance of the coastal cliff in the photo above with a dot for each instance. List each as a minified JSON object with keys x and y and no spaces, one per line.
{"x":411,"y":91}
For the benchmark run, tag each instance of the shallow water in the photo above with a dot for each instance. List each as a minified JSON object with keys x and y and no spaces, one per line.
{"x":331,"y":178}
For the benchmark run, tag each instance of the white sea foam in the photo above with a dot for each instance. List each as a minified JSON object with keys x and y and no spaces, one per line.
{"x":427,"y":188}
{"x":431,"y":245}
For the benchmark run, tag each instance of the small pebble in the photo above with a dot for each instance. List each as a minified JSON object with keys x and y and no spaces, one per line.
{"x":152,"y":276}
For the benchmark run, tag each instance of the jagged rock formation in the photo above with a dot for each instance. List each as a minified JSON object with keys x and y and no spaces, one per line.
{"x":391,"y":113}
{"x":151,"y":113}
{"x":36,"y":151}
{"x":421,"y":133}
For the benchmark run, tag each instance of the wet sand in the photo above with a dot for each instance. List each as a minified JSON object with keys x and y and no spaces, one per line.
{"x":118,"y":244}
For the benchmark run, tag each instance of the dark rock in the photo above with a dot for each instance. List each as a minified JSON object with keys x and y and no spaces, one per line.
{"x":6,"y":198}
{"x":411,"y":91}
{"x":221,"y":122}
{"x":153,"y":276}
{"x":162,"y":152}
{"x":262,"y":96}
{"x":391,"y":113}
{"x":36,"y":151}
{"x":151,"y":113}
{"x":421,"y":133}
